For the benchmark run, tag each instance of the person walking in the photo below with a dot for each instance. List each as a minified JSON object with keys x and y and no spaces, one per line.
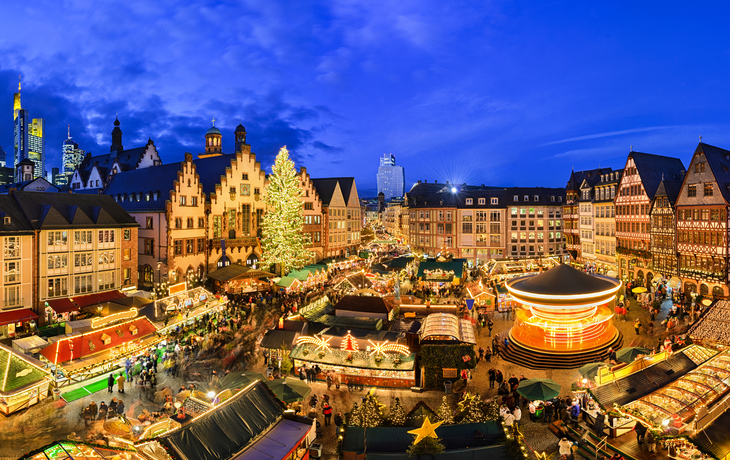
{"x":498,"y":377}
{"x":120,"y":408}
{"x":338,"y":420}
{"x":490,"y":325}
{"x":637,"y":325}
{"x":120,"y":383}
{"x":110,"y":383}
{"x":327,"y":411}
{"x":488,"y":355}
{"x":93,"y":410}
{"x":492,"y":377}
{"x":640,"y":429}
{"x":103,"y":411}
{"x":518,"y":415}
{"x":565,"y":447}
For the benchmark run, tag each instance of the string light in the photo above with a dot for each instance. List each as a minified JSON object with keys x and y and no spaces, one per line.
{"x":381,"y":348}
{"x":349,"y":343}
{"x":317,"y":341}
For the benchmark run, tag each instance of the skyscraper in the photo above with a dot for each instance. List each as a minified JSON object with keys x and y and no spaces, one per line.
{"x":391,"y":178}
{"x":30,"y":140}
{"x":72,"y":158}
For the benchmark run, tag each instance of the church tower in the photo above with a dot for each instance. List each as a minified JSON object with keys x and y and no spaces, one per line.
{"x":213,"y":137}
{"x":116,"y":138}
{"x":240,"y":134}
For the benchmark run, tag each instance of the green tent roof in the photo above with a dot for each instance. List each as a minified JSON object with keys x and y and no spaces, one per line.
{"x":286,"y":281}
{"x":20,"y":371}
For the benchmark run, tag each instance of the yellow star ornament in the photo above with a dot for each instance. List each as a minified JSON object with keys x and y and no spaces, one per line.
{"x":427,"y":430}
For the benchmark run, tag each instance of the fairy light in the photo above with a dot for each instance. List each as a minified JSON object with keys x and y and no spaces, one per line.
{"x":380,"y":348}
{"x":349,"y":343}
{"x":317,"y":341}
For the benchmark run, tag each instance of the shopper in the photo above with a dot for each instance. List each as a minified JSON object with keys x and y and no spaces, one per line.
{"x":327,"y":411}
{"x":120,"y":383}
{"x":110,"y":383}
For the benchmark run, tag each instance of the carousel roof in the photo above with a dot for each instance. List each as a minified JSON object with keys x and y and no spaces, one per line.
{"x":563,"y":280}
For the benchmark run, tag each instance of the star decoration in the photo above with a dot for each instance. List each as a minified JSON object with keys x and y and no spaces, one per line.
{"x":427,"y":430}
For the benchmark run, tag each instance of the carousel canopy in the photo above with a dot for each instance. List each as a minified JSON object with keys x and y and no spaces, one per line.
{"x":238,"y":271}
{"x":564,"y":280}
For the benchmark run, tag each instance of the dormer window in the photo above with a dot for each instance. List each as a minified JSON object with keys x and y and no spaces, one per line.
{"x":6,"y":220}
{"x":536,"y":198}
{"x":560,"y":199}
{"x":495,"y":200}
{"x":526,"y":198}
{"x":552,"y":198}
{"x":154,"y":195}
{"x":482,"y":201}
{"x":515,"y":198}
{"x":469,"y":201}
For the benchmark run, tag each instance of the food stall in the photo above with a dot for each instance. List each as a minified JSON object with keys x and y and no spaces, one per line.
{"x":239,"y":279}
{"x":183,"y":307}
{"x":380,"y":364}
{"x":23,"y":381}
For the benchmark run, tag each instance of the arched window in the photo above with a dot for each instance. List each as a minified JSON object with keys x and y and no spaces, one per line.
{"x":231,"y":234}
{"x":148,"y":275}
{"x":704,"y":289}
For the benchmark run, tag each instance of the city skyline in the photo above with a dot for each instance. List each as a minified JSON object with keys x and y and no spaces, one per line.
{"x":498,"y":94}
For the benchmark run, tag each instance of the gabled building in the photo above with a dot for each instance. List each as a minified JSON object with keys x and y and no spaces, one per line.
{"x":702,"y":222}
{"x":586,"y":223}
{"x":95,"y":172}
{"x":640,"y":181}
{"x":663,"y":229}
{"x":342,"y":216}
{"x":604,"y":234}
{"x":312,"y":210}
{"x":571,"y":211}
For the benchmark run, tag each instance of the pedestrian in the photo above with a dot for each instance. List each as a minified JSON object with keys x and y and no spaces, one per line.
{"x":611,"y":356}
{"x":532,"y":408}
{"x":120,"y":383}
{"x":488,"y":355}
{"x":120,"y":408}
{"x":518,"y":415}
{"x":650,"y":440}
{"x":338,"y":420}
{"x":110,"y":383}
{"x":509,"y":420}
{"x":86,"y":414}
{"x":338,"y":381}
{"x":490,"y":325}
{"x":327,"y":411}
{"x":598,"y":424}
{"x":640,"y":429}
{"x":637,"y":325}
{"x":103,"y":409}
{"x":498,"y":377}
{"x":93,"y":410}
{"x":492,"y":377}
{"x":112,"y":407}
{"x":302,"y":373}
{"x":650,"y":328}
{"x":328,"y":379}
{"x":564,"y":447}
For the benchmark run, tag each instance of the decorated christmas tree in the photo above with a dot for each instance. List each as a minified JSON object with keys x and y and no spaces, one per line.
{"x":354,"y":418}
{"x":474,"y":413}
{"x":491,"y":411}
{"x":444,"y":412}
{"x":284,"y":243}
{"x":371,"y":412}
{"x":397,"y":415}
{"x":462,"y":407}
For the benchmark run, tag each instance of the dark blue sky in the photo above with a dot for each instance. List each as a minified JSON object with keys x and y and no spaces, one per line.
{"x":500,"y":93}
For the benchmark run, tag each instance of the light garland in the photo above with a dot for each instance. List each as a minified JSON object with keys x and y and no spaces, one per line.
{"x":317,"y":341}
{"x":380,"y":348}
{"x":349,"y":343}
{"x":106,"y":320}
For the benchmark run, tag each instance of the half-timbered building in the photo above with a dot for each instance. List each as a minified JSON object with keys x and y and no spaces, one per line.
{"x":663,"y":229}
{"x":642,"y":174}
{"x":571,"y":211}
{"x":702,"y":222}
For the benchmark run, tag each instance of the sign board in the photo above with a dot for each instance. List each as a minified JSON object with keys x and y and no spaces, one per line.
{"x":450,"y":373}
{"x":469,"y":304}
{"x":178,"y":288}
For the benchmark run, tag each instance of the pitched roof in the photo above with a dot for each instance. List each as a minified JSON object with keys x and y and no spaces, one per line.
{"x":157,"y":179}
{"x":364,"y":304}
{"x":325,"y":189}
{"x":577,"y":177}
{"x":19,"y":223}
{"x":65,"y":210}
{"x":669,"y":189}
{"x":18,"y":371}
{"x":211,"y":169}
{"x":128,"y":160}
{"x":719,"y":161}
{"x":652,"y":168}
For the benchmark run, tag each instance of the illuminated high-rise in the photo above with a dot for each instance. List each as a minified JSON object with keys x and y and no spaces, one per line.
{"x":391,"y":178}
{"x":29,"y":139}
{"x":72,"y":158}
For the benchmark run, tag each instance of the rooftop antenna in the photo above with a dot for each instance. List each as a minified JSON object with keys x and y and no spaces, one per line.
{"x":69,"y":131}
{"x":700,"y":138}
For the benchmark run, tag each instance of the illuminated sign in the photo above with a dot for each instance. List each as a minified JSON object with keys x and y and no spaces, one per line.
{"x":111,"y":319}
{"x":177,"y":288}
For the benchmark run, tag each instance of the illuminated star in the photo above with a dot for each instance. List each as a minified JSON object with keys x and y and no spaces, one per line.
{"x":427,"y":430}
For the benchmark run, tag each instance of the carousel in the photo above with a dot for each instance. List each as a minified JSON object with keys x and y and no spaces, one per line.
{"x":564,"y":315}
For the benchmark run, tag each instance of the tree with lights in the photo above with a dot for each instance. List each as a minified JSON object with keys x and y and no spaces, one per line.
{"x":444,"y":412}
{"x":397,"y":415}
{"x":369,"y":415}
{"x":474,"y":413}
{"x":491,"y":411}
{"x":284,"y":243}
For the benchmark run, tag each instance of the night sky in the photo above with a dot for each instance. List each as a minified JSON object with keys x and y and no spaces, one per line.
{"x":499,"y":93}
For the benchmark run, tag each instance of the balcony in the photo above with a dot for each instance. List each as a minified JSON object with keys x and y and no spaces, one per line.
{"x":235,"y":242}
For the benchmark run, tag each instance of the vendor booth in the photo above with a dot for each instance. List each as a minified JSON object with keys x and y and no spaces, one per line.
{"x":445,"y":327}
{"x":380,"y":363}
{"x":16,"y":323}
{"x":187,"y":304}
{"x":30,"y":346}
{"x":23,"y":381}
{"x":239,"y":279}
{"x":441,"y":272}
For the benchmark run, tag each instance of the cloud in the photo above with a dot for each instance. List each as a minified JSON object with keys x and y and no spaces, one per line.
{"x":609,"y":134}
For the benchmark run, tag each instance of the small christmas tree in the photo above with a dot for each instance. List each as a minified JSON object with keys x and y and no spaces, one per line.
{"x":462,"y":408}
{"x":491,"y":411}
{"x":427,"y":446}
{"x":371,"y":412}
{"x":444,"y":412}
{"x":397,"y":415}
{"x":354,"y":419}
{"x":474,"y":412}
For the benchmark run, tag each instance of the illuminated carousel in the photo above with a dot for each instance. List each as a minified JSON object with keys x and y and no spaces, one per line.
{"x":564,"y":319}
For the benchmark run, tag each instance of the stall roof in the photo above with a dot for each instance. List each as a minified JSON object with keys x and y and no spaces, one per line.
{"x":363,"y":334}
{"x":456,"y":267}
{"x":98,"y":298}
{"x":274,"y":338}
{"x":90,"y":343}
{"x":30,"y":343}
{"x":364,"y":304}
{"x":438,"y":325}
{"x":62,"y":305}
{"x":225,"y":432}
{"x":351,"y":322}
{"x":715,"y":439}
{"x":400,"y":262}
{"x":18,"y":371}
{"x":397,"y":439}
{"x":238,"y":271}
{"x":279,"y":441}
{"x":287,"y":281}
{"x":15,"y":316}
{"x":409,"y":327}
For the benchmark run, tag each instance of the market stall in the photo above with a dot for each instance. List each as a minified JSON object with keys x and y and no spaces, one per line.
{"x":184,"y":306}
{"x":239,"y":279}
{"x":445,"y":327}
{"x":382,"y":364}
{"x":15,"y":323}
{"x":23,"y":381}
